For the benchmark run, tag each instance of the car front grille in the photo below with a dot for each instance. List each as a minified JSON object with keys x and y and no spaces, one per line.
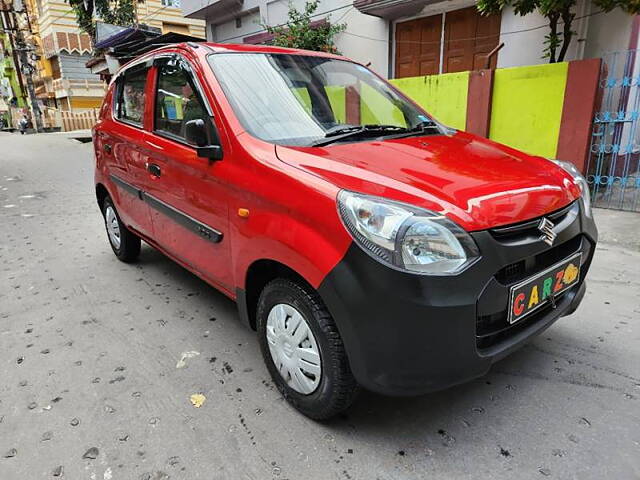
{"x":529,"y":229}
{"x":492,"y":326}
{"x":522,"y":269}
{"x":493,"y":329}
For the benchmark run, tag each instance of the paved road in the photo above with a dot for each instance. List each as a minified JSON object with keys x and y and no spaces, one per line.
{"x":89,"y":347}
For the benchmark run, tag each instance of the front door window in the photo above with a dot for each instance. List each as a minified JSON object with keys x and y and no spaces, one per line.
{"x":177,"y":102}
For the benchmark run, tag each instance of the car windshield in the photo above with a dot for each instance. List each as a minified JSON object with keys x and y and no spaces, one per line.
{"x":306,"y":100}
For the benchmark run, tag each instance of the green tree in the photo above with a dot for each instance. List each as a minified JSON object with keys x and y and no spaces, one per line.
{"x":116,"y":12}
{"x":559,"y":13}
{"x":299,"y":32}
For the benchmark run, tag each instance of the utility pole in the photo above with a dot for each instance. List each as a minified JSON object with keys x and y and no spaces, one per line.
{"x":4,"y":22}
{"x":25,"y":68}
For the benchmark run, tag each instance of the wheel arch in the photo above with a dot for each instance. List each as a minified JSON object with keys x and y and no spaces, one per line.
{"x":258,"y":275}
{"x":101,"y":194}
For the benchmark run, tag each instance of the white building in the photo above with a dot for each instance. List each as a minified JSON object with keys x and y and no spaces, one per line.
{"x":401,"y":38}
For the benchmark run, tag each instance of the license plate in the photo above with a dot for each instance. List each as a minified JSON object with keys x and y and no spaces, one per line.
{"x":527,"y":296}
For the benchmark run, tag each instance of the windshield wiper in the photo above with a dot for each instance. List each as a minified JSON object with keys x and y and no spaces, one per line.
{"x":354,"y":131}
{"x":420,"y":129}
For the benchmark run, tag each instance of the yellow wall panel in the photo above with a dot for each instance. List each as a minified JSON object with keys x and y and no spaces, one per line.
{"x":526,"y":109}
{"x":175,"y":28}
{"x":443,"y":96}
{"x":85,"y":102}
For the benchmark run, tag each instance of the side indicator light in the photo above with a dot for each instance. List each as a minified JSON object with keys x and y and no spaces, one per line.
{"x":243,"y":212}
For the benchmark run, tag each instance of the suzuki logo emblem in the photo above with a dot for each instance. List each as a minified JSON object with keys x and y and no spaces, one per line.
{"x":546,"y":227}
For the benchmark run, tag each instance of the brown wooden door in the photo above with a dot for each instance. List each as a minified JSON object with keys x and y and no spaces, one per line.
{"x":487,"y":38}
{"x":469,"y":37}
{"x":418,"y":47}
{"x":459,"y":38}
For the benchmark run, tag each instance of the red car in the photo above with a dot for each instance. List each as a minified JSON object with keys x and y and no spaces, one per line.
{"x":368,"y":244}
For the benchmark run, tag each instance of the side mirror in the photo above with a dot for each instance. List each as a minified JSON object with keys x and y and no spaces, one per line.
{"x":195,"y":132}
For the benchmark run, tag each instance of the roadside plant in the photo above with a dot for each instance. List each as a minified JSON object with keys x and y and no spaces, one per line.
{"x":301,"y":32}
{"x":560,"y":15}
{"x":115,"y":12}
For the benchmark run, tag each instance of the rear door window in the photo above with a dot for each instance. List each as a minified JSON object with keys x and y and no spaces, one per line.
{"x":177,"y":101}
{"x":130,"y":98}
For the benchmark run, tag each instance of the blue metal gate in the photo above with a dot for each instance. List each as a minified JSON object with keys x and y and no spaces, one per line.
{"x":613,"y":170}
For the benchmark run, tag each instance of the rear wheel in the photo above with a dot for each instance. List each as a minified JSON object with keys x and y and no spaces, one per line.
{"x":124,"y":243}
{"x":303,"y":350}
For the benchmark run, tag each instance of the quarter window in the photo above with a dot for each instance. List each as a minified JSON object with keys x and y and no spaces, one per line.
{"x":130,"y":103}
{"x":177,"y":101}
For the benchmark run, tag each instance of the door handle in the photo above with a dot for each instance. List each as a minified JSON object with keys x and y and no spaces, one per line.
{"x":154,"y":169}
{"x":107,"y":147}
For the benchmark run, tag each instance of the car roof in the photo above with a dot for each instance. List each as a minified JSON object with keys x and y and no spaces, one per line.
{"x":225,"y":48}
{"x":248,"y":48}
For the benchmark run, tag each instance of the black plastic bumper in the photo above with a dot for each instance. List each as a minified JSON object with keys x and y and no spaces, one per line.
{"x":408,"y":334}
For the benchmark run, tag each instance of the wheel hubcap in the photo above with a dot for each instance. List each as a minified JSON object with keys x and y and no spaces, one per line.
{"x":293,"y":348}
{"x":113,"y":227}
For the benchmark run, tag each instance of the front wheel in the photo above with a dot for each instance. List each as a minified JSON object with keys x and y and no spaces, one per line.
{"x":303,"y":350}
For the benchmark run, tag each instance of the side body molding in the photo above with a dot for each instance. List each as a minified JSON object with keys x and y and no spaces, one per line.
{"x":187,"y":221}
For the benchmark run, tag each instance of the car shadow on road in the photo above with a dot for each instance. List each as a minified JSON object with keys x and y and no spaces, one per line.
{"x":548,"y":374}
{"x":461,"y":406}
{"x":198,"y":291}
{"x":153,"y":259}
{"x":440,"y":418}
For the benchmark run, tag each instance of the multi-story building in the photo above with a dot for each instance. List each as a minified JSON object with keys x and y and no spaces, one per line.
{"x":167,"y":16}
{"x":405,"y":38}
{"x":12,"y":98}
{"x":63,"y":81}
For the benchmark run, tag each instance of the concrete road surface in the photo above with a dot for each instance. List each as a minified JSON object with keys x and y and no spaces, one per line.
{"x":89,"y":387}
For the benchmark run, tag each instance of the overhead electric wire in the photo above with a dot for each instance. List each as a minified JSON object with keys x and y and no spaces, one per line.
{"x":149,"y":16}
{"x":365,"y":37}
{"x":345,"y":14}
{"x":58,"y":17}
{"x":248,"y":34}
{"x":417,"y":42}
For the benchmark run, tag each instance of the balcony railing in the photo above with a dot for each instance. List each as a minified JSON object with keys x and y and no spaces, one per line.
{"x":69,"y":121}
{"x":78,"y":87}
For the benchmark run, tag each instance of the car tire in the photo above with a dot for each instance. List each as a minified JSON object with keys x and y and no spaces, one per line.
{"x":124,"y":243}
{"x":336,"y":388}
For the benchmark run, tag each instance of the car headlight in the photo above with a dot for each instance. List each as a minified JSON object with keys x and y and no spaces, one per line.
{"x":580,"y":181}
{"x":405,"y":237}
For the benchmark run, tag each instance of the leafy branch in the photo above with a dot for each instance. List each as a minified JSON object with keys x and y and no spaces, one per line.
{"x":116,"y":12}
{"x":301,"y":32}
{"x":557,"y":12}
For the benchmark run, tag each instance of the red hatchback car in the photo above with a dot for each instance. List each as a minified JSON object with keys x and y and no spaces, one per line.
{"x":368,"y":244}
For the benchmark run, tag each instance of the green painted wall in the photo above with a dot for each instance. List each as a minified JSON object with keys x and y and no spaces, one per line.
{"x":377,"y":109}
{"x":7,"y":70}
{"x":443,"y":96}
{"x":526,"y":109}
{"x":526,"y":105}
{"x":338,"y":103}
{"x":336,"y":97}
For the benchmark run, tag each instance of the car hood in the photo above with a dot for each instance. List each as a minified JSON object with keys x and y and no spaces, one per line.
{"x":476,"y":182}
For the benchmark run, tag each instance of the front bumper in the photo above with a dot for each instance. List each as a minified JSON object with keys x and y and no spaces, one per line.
{"x":409,"y":334}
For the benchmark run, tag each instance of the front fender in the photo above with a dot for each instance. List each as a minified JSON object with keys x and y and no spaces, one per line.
{"x":296,"y":226}
{"x":310,"y":252}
